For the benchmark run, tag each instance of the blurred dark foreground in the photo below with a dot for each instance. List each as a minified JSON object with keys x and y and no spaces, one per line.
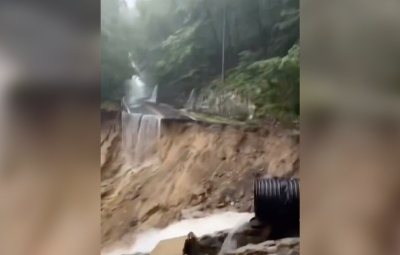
{"x":50,"y":117}
{"x":350,"y":127}
{"x":50,"y":98}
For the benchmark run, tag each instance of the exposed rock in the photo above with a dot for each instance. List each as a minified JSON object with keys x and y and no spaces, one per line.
{"x":211,"y":244}
{"x":193,"y":165}
{"x":249,"y":241}
{"x":288,"y":246}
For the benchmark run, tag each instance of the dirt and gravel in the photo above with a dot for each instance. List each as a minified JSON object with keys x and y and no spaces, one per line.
{"x":194,"y":168}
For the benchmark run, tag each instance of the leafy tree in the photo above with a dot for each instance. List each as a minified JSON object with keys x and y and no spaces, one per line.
{"x":115,"y":64}
{"x":177,"y":44}
{"x":271,"y":84}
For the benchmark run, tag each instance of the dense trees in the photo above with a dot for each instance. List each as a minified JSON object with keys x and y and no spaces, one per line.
{"x":177,"y":44}
{"x":115,"y":65}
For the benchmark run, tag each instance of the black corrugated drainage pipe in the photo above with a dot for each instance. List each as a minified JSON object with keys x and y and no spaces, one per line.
{"x":277,"y":204}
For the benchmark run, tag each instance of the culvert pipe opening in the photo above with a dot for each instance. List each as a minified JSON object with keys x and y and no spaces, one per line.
{"x":277,"y":204}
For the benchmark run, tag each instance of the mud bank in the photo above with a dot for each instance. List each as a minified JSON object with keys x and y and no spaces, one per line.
{"x":193,"y":166}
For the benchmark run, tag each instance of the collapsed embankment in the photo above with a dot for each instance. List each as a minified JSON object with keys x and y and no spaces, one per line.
{"x":193,"y":167}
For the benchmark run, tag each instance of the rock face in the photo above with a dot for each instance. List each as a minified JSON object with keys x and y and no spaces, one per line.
{"x":288,"y":246}
{"x":211,"y":244}
{"x":246,"y":240}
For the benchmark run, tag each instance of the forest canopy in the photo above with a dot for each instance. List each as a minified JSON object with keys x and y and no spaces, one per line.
{"x":178,"y":45}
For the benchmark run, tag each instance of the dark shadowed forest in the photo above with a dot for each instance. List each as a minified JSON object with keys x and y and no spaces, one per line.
{"x":248,"y":48}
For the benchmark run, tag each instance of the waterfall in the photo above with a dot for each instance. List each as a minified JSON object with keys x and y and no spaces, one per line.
{"x":191,"y":102}
{"x":140,"y":133}
{"x":135,"y":91}
{"x":230,"y":242}
{"x":131,"y":123}
{"x":153,"y":97}
{"x":133,"y":64}
{"x":147,"y":137}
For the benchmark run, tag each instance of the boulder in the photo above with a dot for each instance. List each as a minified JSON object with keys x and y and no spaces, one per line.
{"x":246,"y":240}
{"x":288,"y":246}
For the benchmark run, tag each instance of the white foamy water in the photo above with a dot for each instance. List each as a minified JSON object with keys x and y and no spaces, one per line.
{"x":130,"y":130}
{"x":147,"y":136}
{"x":230,"y":242}
{"x":154,"y":94}
{"x":148,"y":240}
{"x":140,"y":134}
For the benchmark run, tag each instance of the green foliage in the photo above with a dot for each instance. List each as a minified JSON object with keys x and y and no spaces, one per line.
{"x":178,"y":51}
{"x":115,"y":64}
{"x":271,"y":84}
{"x":178,"y":44}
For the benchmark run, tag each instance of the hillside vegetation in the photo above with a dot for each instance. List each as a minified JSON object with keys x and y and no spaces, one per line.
{"x":178,"y":45}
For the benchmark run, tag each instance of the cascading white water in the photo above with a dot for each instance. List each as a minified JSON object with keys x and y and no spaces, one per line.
{"x":131,"y":123}
{"x":133,"y":64}
{"x":230,"y":242}
{"x":140,"y":131}
{"x":140,"y":134}
{"x":135,"y":91}
{"x":148,"y":240}
{"x":147,"y":136}
{"x":153,"y":97}
{"x":191,"y":102}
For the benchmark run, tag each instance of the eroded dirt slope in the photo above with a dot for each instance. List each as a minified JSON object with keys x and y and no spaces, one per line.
{"x":194,"y":165}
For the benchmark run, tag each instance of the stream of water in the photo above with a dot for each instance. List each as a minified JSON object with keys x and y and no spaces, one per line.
{"x":140,"y":134}
{"x":148,"y":240}
{"x":230,"y":242}
{"x":149,"y":132}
